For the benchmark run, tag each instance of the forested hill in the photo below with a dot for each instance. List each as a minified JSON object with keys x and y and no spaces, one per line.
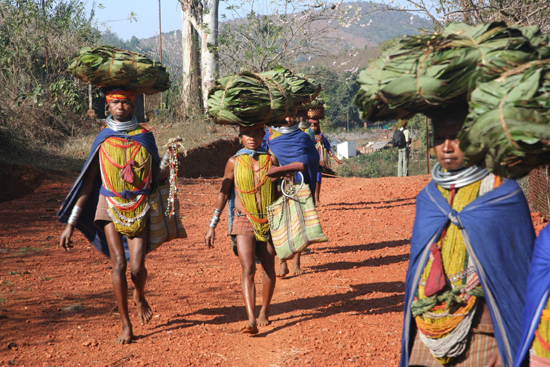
{"x":375,"y":27}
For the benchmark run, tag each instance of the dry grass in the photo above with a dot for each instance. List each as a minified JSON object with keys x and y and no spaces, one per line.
{"x":195,"y":132}
{"x":32,"y":135}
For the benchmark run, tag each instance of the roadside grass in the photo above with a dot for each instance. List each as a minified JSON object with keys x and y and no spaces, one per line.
{"x":382,"y":163}
{"x":28,"y":250}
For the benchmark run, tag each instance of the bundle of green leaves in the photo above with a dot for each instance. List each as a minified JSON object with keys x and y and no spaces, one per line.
{"x":249,"y":99}
{"x":508,"y":127}
{"x":431,"y":71}
{"x":109,"y":66}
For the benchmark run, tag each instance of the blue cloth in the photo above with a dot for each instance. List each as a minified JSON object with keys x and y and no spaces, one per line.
{"x":499,"y":237}
{"x":252,"y":153}
{"x":265,"y":139}
{"x":297,"y":147}
{"x":538,"y":287}
{"x":85,"y":222}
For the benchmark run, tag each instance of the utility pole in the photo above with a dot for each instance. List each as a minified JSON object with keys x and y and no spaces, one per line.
{"x":160,"y":50}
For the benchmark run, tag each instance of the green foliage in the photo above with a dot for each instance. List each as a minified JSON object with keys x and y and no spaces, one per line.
{"x":112,"y":39}
{"x":293,"y":31}
{"x":382,"y":163}
{"x":417,"y":127}
{"x":338,"y":92}
{"x":38,"y":102}
{"x":64,"y":94}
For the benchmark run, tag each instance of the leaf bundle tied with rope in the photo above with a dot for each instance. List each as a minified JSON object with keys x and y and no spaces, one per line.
{"x":107,"y":66}
{"x":249,"y":99}
{"x":425,"y":72}
{"x":508,"y":127}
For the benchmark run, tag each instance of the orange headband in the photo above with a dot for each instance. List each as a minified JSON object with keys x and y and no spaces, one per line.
{"x":120,"y":94}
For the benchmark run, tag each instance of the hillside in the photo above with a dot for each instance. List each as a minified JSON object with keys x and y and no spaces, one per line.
{"x":375,"y":27}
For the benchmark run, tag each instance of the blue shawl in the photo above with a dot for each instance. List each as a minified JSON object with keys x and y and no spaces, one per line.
{"x":297,"y":147}
{"x":85,"y":222}
{"x":538,"y":287}
{"x":498,"y":234}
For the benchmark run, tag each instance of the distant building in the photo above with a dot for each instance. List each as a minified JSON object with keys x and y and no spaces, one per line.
{"x":346,"y":149}
{"x":375,"y":146}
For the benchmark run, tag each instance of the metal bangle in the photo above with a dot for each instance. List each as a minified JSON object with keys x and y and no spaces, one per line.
{"x":217,"y":211}
{"x":75,"y":213}
{"x":213,"y":221}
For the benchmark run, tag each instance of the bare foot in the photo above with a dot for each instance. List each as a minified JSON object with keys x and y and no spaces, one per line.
{"x":144,"y":310}
{"x":283,"y":270}
{"x":296,"y":268}
{"x":263,"y":319}
{"x":126,"y":337}
{"x":249,"y":330}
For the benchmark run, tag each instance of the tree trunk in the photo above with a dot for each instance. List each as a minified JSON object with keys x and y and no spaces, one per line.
{"x":190,"y":90}
{"x":209,"y":47}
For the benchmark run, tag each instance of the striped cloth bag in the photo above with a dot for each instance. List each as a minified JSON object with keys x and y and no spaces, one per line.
{"x":163,"y":228}
{"x":294,"y":223}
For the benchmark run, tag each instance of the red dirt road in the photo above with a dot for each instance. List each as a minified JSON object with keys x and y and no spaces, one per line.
{"x":346,"y":310}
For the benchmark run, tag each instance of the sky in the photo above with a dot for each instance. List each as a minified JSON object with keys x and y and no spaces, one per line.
{"x":115,"y":14}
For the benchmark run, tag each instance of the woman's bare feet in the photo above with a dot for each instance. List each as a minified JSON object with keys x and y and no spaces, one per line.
{"x":296,"y":268}
{"x":283,"y":270}
{"x":143,"y":309}
{"x":263,"y":319}
{"x":126,"y":337}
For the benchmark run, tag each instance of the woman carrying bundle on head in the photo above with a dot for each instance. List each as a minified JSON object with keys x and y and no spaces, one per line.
{"x":109,"y":201}
{"x":473,"y":236}
{"x":249,"y":190}
{"x":470,"y":251}
{"x":325,"y":150}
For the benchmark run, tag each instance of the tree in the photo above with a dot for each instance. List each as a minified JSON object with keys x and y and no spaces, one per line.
{"x":339,"y":90}
{"x":209,"y":47}
{"x":112,"y":39}
{"x":199,"y":48}
{"x":258,"y":39}
{"x":39,"y":99}
{"x":520,"y":12}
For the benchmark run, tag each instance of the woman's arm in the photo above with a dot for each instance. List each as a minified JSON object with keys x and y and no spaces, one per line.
{"x":221,"y":200}
{"x":84,"y":193}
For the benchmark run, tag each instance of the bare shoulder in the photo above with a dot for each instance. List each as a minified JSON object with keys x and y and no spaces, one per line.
{"x":229,"y":167}
{"x":231,"y":162}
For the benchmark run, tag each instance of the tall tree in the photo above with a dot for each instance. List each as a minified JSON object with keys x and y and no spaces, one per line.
{"x":209,"y":47}
{"x":199,"y":44}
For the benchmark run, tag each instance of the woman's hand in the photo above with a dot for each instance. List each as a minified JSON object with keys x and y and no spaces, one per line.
{"x":65,"y":239}
{"x":209,"y":237}
{"x":494,"y":359}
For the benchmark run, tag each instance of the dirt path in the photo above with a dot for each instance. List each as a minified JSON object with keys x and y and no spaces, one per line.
{"x":345,"y":310}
